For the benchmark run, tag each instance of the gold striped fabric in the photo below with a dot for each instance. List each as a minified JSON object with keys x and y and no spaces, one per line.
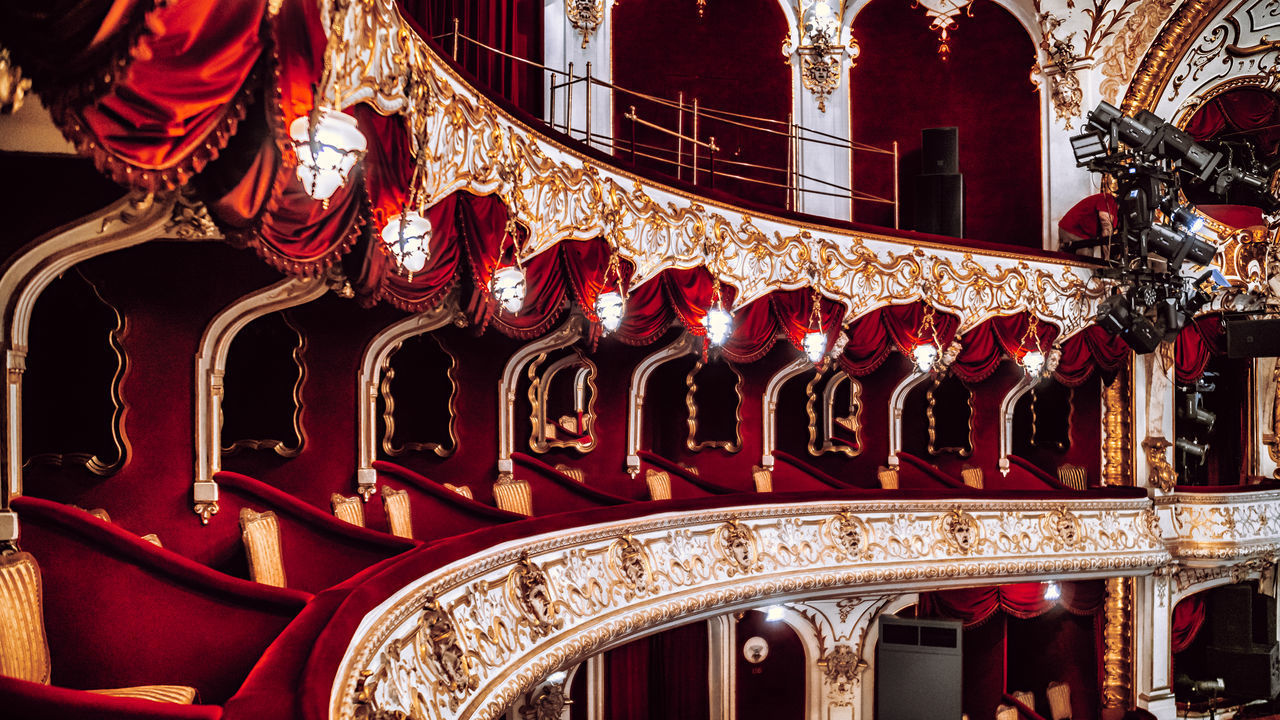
{"x":24,"y":648}
{"x":462,"y":490}
{"x":1025,"y":697}
{"x":1059,"y":701}
{"x":514,"y":496}
{"x":573,"y":472}
{"x":972,"y":477}
{"x":261,"y":535}
{"x":847,"y":423}
{"x":1073,"y":476}
{"x":763,"y":478}
{"x":888,"y":478}
{"x":659,"y":482}
{"x":1006,"y":712}
{"x":690,"y":469}
{"x":347,"y":509}
{"x":153,"y":538}
{"x":101,"y":514}
{"x":178,"y":694}
{"x":395,"y":503}
{"x":570,"y":423}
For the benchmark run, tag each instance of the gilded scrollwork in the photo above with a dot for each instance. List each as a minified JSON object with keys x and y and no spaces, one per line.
{"x":559,"y":193}
{"x":691,"y":404}
{"x":507,"y":618}
{"x":823,"y":437}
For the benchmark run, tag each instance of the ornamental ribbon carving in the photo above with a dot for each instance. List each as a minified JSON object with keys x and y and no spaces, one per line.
{"x":470,"y":638}
{"x":559,"y":193}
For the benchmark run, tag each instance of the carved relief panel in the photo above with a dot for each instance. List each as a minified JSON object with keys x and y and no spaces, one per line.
{"x":562,"y":395}
{"x":417,"y":398}
{"x":834,"y":407}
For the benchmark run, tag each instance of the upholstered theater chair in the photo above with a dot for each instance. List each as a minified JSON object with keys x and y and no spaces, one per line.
{"x":556,"y":490}
{"x":1006,"y":712}
{"x":576,"y":473}
{"x":685,"y":483}
{"x":972,"y":476}
{"x":514,"y":496}
{"x":1073,"y":476}
{"x":261,"y":535}
{"x":462,"y":490}
{"x":1026,"y":697}
{"x":395,"y":503}
{"x":659,"y":482}
{"x":24,"y":648}
{"x":888,"y":478}
{"x":763,"y":478}
{"x":154,"y":539}
{"x":438,"y":511}
{"x":347,"y":509}
{"x":1059,"y":694}
{"x":791,"y":474}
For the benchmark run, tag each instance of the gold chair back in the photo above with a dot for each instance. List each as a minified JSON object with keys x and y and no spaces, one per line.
{"x":763,"y":477}
{"x":462,"y":490}
{"x":1073,"y":476}
{"x":261,"y":535}
{"x":24,"y":648}
{"x":972,"y":477}
{"x":514,"y":496}
{"x":888,"y":478}
{"x":178,"y":694}
{"x":395,"y":503}
{"x":659,"y":482}
{"x":1006,"y":712}
{"x":348,"y":509}
{"x":1026,"y":697}
{"x":573,"y":472}
{"x":1059,"y":694}
{"x":101,"y":514}
{"x":153,"y":538}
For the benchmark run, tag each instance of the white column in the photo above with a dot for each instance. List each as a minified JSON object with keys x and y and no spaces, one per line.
{"x":1153,"y":391}
{"x":818,"y":162}
{"x":1063,"y":184}
{"x":722,"y":666}
{"x":562,"y":45}
{"x":1151,"y":645}
{"x":1264,"y":399}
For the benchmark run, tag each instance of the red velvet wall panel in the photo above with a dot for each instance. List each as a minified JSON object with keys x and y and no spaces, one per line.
{"x":661,"y":676}
{"x":984,"y":667}
{"x":728,"y":59}
{"x":984,"y":422}
{"x":169,"y":292}
{"x":336,"y":333}
{"x":901,"y":86}
{"x":1085,"y":449}
{"x":773,"y":689}
{"x":1061,"y":647}
{"x":31,"y":210}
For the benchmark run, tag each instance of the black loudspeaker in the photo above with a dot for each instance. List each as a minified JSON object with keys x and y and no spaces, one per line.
{"x":940,"y":151}
{"x":940,"y":204}
{"x":1253,"y":338}
{"x":1247,"y":675}
{"x":919,"y":669}
{"x":1241,"y":620}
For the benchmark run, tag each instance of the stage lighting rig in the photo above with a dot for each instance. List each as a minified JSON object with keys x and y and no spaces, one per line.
{"x":1156,"y":233}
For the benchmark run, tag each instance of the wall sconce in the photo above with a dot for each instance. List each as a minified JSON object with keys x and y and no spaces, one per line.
{"x":717,"y":323}
{"x":406,"y":237}
{"x":328,"y":144}
{"x":819,"y":47}
{"x":815,"y":341}
{"x":925,"y":353}
{"x":508,"y":282}
{"x":610,"y":306}
{"x":1033,"y":360}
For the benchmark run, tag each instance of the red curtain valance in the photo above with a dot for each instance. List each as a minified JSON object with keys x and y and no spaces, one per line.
{"x":975,"y":606}
{"x":1188,"y":619}
{"x":1198,"y":343}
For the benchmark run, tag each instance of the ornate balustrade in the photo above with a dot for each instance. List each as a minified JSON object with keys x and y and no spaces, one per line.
{"x":1211,"y":528}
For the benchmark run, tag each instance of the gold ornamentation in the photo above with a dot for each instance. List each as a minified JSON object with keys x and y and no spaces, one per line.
{"x":943,"y":14}
{"x":630,"y":566}
{"x":693,"y":443}
{"x":1119,"y":60}
{"x":840,"y":666}
{"x":531,"y":594}
{"x":1160,"y":474}
{"x":13,"y":87}
{"x":585,"y":16}
{"x":282,"y":447}
{"x":1117,"y":643}
{"x":692,"y":571}
{"x":959,"y":530}
{"x":205,"y":509}
{"x":965,"y":450}
{"x":1115,"y":422}
{"x":389,"y":408}
{"x":1064,"y":85}
{"x":851,"y":422}
{"x":549,"y":702}
{"x":849,"y":534}
{"x":819,"y":47}
{"x":1162,"y":58}
{"x":191,"y":220}
{"x":737,"y":544}
{"x":580,"y":427}
{"x":1063,"y":529}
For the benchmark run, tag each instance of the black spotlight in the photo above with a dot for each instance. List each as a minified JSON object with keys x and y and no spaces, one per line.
{"x":1116,"y":316}
{"x":1177,"y":247}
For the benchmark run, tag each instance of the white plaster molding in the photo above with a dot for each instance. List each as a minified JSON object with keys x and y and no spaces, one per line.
{"x":375,"y":355}
{"x":897,"y":403}
{"x":561,"y":48}
{"x":563,"y":336}
{"x":769,"y":432}
{"x":686,"y":344}
{"x":1007,"y":407}
{"x":1215,"y":529}
{"x":722,"y":645}
{"x":528,"y":606}
{"x":211,"y":363}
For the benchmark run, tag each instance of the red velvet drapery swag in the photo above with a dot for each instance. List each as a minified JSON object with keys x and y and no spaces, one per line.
{"x":1188,"y":619}
{"x":974,"y":606}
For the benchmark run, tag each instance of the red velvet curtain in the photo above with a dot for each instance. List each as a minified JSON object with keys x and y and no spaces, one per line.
{"x":1089,"y":350}
{"x":1197,"y":343}
{"x":1188,"y":619}
{"x":975,"y":606}
{"x":1239,"y":111}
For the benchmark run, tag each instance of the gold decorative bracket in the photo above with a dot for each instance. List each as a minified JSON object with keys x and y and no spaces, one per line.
{"x":585,"y":16}
{"x":1161,"y":474}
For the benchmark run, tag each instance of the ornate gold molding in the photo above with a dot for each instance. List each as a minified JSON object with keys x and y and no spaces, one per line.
{"x":852,"y":422}
{"x":1117,"y":403}
{"x":1117,"y":642}
{"x":963,"y":452}
{"x":1213,"y":527}
{"x":389,"y":409}
{"x":1160,"y":473}
{"x":542,"y":438}
{"x":585,"y":16}
{"x":13,"y":87}
{"x":1166,"y":51}
{"x":559,"y":193}
{"x":691,"y":403}
{"x":282,"y":447}
{"x":517,"y":613}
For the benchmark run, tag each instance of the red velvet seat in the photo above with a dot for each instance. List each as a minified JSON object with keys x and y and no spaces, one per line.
{"x":119,"y":611}
{"x":1023,"y":475}
{"x":685,"y":484}
{"x":792,"y":473}
{"x":22,"y":699}
{"x":914,"y":473}
{"x":318,"y":549}
{"x":553,"y":491}
{"x":437,"y":511}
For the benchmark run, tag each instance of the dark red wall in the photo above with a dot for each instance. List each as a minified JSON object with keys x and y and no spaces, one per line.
{"x":1085,"y":449}
{"x":729,"y":59}
{"x":901,"y":86}
{"x":773,"y":689}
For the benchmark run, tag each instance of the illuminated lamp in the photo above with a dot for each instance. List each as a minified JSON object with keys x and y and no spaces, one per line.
{"x":1052,"y":591}
{"x":925,"y":355}
{"x":815,"y":345}
{"x":1033,"y":359}
{"x":328,"y":144}
{"x":609,"y":308}
{"x":774,"y":613}
{"x":507,"y":287}
{"x":407,"y":237}
{"x":717,"y":323}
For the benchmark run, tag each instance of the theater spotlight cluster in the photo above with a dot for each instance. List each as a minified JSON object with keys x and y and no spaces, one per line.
{"x":1157,"y":256}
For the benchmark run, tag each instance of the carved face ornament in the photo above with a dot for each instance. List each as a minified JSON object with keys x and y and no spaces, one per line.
{"x":737,"y":544}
